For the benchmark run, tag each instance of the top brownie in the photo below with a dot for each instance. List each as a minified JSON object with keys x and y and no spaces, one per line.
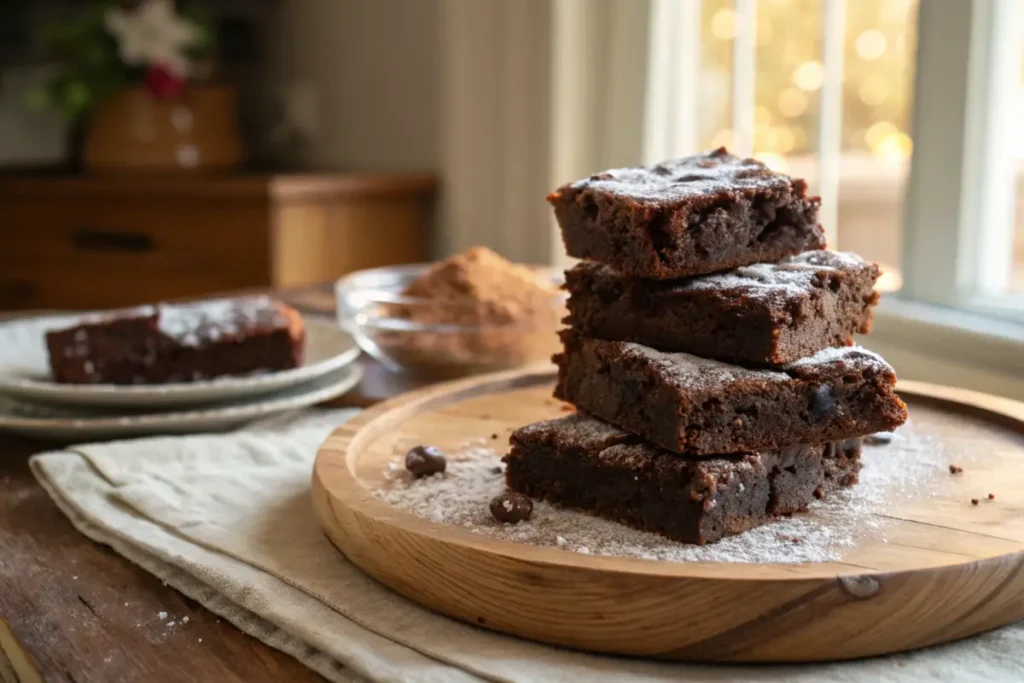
{"x":691,"y":216}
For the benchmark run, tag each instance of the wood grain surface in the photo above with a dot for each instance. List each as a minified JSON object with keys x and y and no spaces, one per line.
{"x":79,"y":612}
{"x":945,"y":568}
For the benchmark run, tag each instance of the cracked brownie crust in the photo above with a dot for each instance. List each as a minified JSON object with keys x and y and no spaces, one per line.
{"x":763,"y":314}
{"x":698,"y":406}
{"x":581,"y":462}
{"x":692,"y":216}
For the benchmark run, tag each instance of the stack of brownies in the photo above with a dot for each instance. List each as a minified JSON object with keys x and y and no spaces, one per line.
{"x":708,"y":353}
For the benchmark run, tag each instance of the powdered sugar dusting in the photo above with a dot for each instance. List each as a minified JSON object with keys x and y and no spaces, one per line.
{"x":789,"y":279}
{"x":914,"y":465}
{"x":196,"y":323}
{"x":847,"y":354}
{"x":691,"y":372}
{"x":695,"y":176}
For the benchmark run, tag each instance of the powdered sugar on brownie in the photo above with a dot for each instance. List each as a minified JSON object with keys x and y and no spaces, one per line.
{"x":794,"y":277}
{"x":693,"y":372}
{"x":192,"y":324}
{"x":854,"y":356}
{"x":696,"y":176}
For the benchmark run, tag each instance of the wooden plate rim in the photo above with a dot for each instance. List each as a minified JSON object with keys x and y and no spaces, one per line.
{"x":344,"y":444}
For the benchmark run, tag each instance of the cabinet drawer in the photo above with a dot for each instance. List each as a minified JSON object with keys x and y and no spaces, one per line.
{"x":89,"y":253}
{"x":137,"y":237}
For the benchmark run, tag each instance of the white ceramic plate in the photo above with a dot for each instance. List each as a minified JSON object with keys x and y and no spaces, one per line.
{"x":67,"y":424}
{"x":25,"y":372}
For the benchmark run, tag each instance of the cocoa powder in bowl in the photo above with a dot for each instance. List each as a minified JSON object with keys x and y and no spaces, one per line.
{"x":505,"y":314}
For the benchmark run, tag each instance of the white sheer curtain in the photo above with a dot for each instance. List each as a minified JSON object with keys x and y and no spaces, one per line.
{"x":536,"y":93}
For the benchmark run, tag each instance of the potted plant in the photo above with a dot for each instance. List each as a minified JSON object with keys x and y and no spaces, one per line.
{"x":135,"y":82}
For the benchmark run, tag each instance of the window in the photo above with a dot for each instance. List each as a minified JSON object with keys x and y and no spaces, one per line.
{"x":920,"y":165}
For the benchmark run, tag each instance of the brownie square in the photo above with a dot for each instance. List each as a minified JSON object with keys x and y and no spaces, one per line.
{"x":766,"y":314}
{"x":691,"y":216}
{"x":178,"y":343}
{"x":580,"y":462}
{"x":699,"y":406}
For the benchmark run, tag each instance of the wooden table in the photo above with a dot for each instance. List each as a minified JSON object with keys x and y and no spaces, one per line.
{"x":75,"y":611}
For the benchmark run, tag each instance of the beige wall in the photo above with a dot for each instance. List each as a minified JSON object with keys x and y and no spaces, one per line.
{"x":27,"y":137}
{"x":373,"y":69}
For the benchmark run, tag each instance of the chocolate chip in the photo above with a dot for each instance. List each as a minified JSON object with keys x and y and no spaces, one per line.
{"x":823,"y":402}
{"x":955,"y":469}
{"x":511,"y":507}
{"x":974,"y":501}
{"x":423,"y":461}
{"x":496,"y":469}
{"x":991,"y":496}
{"x":494,"y":436}
{"x":878,"y":439}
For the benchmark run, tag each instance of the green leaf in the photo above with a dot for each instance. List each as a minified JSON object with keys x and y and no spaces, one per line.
{"x":78,"y":98}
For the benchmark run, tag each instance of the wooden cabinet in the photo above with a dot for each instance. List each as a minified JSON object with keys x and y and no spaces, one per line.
{"x":99,"y":241}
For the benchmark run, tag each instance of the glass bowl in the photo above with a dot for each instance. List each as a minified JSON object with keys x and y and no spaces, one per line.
{"x":431,"y":338}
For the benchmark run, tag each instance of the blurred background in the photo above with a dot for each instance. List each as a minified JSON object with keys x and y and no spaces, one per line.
{"x":159,"y":149}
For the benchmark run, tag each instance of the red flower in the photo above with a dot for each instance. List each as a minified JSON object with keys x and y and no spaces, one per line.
{"x":163,"y":83}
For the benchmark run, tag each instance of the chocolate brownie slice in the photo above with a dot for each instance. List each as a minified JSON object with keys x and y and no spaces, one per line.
{"x":694,"y":405}
{"x":763,"y":314}
{"x":581,"y":462}
{"x":178,"y":343}
{"x":691,"y":216}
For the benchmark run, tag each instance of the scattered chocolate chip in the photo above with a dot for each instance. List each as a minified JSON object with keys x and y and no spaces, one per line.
{"x":496,"y":469}
{"x":494,"y":436}
{"x":511,"y":507}
{"x":878,"y":439}
{"x":823,"y":402}
{"x":991,"y":496}
{"x":974,"y":501}
{"x":955,"y":469}
{"x":422,"y":461}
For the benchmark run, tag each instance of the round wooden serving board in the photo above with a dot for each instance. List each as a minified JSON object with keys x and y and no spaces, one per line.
{"x":937,"y":568}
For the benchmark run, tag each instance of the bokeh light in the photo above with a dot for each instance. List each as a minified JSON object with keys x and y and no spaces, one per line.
{"x":871,"y":44}
{"x":809,"y":75}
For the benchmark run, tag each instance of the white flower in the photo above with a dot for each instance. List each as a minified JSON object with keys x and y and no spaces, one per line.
{"x":153,"y":34}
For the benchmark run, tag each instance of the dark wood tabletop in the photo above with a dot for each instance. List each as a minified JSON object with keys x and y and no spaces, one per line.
{"x":73,"y":610}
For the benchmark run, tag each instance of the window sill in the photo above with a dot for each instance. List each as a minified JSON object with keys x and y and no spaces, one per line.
{"x":948,"y":346}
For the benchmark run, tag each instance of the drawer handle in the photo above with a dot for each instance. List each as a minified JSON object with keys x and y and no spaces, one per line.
{"x":110,"y":240}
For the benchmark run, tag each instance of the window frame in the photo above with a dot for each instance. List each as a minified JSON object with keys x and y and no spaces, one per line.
{"x":958,"y":225}
{"x":953,"y":321}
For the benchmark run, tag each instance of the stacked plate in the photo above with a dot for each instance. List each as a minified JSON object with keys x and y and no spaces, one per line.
{"x":31,"y":403}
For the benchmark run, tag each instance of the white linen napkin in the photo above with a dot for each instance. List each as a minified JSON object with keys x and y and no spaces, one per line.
{"x":227,"y":520}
